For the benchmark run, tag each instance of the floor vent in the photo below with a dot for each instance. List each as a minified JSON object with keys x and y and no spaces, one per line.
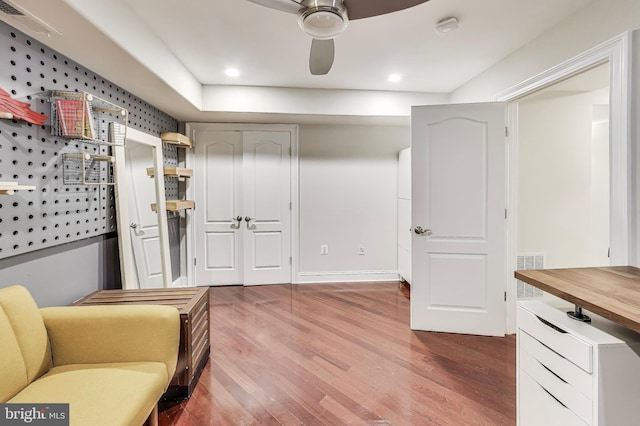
{"x":525,"y":262}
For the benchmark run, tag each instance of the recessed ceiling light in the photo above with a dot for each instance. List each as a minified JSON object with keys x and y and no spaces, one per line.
{"x":394,"y":78}
{"x":232,"y":72}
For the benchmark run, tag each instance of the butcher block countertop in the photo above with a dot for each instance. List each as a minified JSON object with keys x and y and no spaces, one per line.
{"x":612,"y":292}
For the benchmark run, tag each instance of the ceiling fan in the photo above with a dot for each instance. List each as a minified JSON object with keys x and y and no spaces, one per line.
{"x":324,"y":20}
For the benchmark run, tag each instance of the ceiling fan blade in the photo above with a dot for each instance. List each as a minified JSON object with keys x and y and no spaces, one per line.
{"x":321,"y":56}
{"x":289,"y":6}
{"x":359,"y":9}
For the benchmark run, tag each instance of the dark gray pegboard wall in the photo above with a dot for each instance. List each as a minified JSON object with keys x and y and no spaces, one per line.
{"x":56,"y":213}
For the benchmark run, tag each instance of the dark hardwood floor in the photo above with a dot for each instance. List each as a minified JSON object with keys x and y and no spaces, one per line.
{"x":342,"y":354}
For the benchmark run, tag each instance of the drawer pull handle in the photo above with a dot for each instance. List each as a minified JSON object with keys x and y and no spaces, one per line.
{"x":552,"y":372}
{"x":548,"y":324}
{"x":551,"y":395}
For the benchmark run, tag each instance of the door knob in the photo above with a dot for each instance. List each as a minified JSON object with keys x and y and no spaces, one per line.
{"x":239,"y":219}
{"x":418,"y":230}
{"x":248,"y":219}
{"x":133,"y":225}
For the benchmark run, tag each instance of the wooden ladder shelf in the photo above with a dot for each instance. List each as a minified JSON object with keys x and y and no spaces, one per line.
{"x":172,"y":171}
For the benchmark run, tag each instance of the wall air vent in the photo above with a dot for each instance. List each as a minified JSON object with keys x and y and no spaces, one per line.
{"x":526,"y":262}
{"x":17,"y":16}
{"x":8,"y":9}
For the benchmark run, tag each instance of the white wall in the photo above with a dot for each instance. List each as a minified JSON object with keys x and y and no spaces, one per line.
{"x":563,"y":195}
{"x":591,"y":26}
{"x":348,"y":197}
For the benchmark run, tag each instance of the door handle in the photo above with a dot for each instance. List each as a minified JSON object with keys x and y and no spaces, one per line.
{"x":133,"y":225}
{"x":248,"y":219}
{"x":238,"y":219}
{"x":418,"y":230}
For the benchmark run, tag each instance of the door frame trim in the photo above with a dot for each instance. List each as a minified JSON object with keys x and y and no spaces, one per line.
{"x":187,"y":245}
{"x":616,"y":52}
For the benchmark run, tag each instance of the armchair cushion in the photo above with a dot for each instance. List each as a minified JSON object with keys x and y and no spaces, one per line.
{"x":12,"y":368}
{"x":120,"y":333}
{"x":22,"y":313}
{"x":101,"y":394}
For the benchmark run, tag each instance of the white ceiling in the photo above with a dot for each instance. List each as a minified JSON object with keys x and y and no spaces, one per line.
{"x":271,"y":50}
{"x":199,"y":39}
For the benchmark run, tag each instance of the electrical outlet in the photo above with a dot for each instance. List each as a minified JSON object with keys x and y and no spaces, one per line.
{"x":324,"y":249}
{"x":361,"y":251}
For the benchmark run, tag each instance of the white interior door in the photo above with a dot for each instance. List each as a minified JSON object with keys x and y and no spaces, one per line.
{"x":267,"y":206}
{"x":218,"y":192}
{"x":458,"y":211}
{"x":145,"y":238}
{"x":243,"y":213}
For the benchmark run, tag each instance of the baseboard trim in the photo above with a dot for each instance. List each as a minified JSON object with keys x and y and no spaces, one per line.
{"x":347,"y":276}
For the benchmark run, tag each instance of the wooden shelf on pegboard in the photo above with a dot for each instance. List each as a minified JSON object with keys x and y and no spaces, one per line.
{"x":176,"y":139}
{"x":176,"y":205}
{"x":9,"y":188}
{"x":172,"y":171}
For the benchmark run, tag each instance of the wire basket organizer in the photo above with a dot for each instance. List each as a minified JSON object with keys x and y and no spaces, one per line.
{"x":80,"y":115}
{"x":87,"y":119}
{"x":87,"y":169}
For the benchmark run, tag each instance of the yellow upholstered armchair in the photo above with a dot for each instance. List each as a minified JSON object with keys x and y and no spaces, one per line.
{"x":111,"y":364}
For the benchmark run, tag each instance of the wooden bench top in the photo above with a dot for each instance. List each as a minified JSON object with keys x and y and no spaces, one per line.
{"x":184,"y":299}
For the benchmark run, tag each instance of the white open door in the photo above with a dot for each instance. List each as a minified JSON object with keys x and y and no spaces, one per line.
{"x":145,"y":238}
{"x":156,"y":252}
{"x":458,"y":157}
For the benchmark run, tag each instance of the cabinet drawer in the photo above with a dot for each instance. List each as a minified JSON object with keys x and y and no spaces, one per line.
{"x":541,"y":408}
{"x":580,"y":380}
{"x":567,"y":345}
{"x":563,"y":392}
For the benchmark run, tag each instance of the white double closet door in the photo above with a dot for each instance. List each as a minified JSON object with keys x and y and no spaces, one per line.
{"x":243,"y":207}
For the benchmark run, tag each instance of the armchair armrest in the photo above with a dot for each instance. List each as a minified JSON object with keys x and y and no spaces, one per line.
{"x":122,"y":333}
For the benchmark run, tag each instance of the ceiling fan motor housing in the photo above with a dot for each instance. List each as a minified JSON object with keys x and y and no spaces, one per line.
{"x":323,"y":19}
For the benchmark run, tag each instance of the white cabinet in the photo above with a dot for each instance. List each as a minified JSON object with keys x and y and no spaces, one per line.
{"x":404,"y":214}
{"x":573,"y":373}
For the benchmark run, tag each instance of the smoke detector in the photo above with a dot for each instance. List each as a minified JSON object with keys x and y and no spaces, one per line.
{"x":446,"y":25}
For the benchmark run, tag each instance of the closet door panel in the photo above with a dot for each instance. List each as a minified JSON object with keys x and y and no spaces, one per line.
{"x":219,"y":192}
{"x":267,"y":202}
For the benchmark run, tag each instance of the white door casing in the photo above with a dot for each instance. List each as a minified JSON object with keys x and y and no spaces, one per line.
{"x":145,"y":239}
{"x":458,"y":198}
{"x":245,"y":176}
{"x":616,"y":52}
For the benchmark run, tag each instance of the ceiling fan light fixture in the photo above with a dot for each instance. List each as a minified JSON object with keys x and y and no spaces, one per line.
{"x":324,"y":22}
